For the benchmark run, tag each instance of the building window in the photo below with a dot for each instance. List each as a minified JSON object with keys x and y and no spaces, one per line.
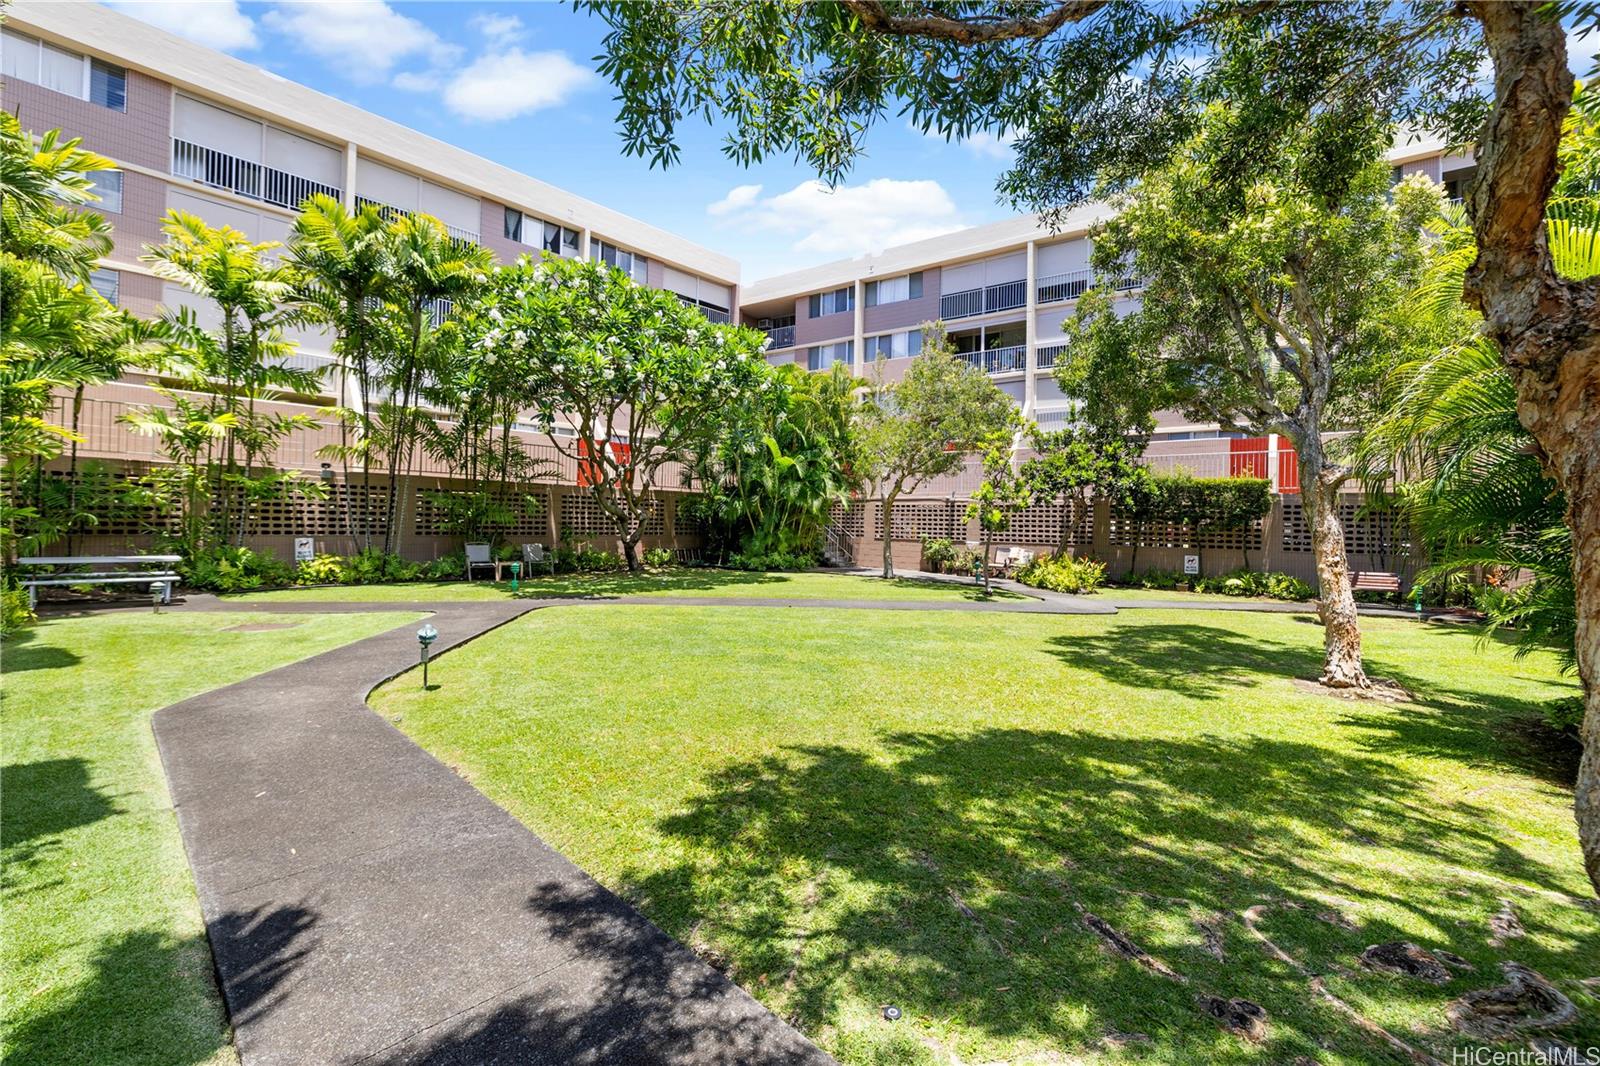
{"x":894,"y":345}
{"x":108,"y":85}
{"x":535,"y":233}
{"x":107,"y":283}
{"x":894,"y":290}
{"x":107,"y":186}
{"x":32,"y":60}
{"x":833,"y":303}
{"x":559,"y":240}
{"x":628,"y":262}
{"x":826,"y":355}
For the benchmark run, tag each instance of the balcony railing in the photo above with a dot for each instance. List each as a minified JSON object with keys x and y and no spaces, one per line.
{"x":1008,"y":360}
{"x":1068,"y":286}
{"x":245,"y":177}
{"x":714,"y":314}
{"x":391,"y":212}
{"x":1048,"y":353}
{"x":1074,"y":283}
{"x":1002,"y":297}
{"x":780,"y":337}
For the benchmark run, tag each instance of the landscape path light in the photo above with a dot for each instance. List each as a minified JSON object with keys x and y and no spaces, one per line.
{"x":426,"y":636}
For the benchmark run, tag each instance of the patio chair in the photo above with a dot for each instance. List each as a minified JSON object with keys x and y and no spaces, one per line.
{"x":1020,"y":557}
{"x":479,"y":555}
{"x":535,"y":558}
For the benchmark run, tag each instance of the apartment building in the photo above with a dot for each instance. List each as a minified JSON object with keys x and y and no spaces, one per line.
{"x":193,"y":129}
{"x":1003,"y":291}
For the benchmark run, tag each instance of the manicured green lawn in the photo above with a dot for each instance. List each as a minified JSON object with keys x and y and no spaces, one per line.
{"x":719,"y":583}
{"x":104,"y":957}
{"x":849,"y":810}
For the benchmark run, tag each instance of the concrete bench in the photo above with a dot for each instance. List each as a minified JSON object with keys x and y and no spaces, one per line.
{"x":158,"y":571}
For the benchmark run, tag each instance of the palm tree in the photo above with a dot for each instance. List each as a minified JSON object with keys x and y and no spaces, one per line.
{"x":241,"y":362}
{"x":427,"y":270}
{"x":1469,"y":477}
{"x":341,"y":261}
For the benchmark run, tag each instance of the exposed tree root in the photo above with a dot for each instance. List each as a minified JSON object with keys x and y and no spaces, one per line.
{"x":1505,"y":925}
{"x":1255,"y":914}
{"x":1119,"y":943}
{"x":1408,"y":960}
{"x":1525,"y":1001}
{"x":1240,"y":1017}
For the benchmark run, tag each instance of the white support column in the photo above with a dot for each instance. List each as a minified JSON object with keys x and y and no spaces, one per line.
{"x":1031,"y":351}
{"x":583,"y":243}
{"x":858,"y":354}
{"x":349,"y":176}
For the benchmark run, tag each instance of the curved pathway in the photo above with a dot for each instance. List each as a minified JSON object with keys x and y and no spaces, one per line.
{"x":365,"y":904}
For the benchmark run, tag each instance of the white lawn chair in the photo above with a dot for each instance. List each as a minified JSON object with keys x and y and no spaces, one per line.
{"x":479,"y":555}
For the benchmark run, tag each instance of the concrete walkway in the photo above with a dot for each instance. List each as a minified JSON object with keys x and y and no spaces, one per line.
{"x":367,"y":905}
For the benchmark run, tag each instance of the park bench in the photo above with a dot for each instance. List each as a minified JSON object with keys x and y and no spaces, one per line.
{"x":158,"y":570}
{"x":1375,"y":581}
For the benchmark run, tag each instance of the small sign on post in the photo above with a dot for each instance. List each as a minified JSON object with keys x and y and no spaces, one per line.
{"x":1191,"y":564}
{"x":303,"y":549}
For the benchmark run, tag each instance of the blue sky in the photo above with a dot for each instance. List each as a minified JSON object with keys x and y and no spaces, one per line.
{"x":515,"y":82}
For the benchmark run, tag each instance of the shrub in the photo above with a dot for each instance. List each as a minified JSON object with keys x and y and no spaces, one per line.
{"x":321,"y":570}
{"x":964,"y":560}
{"x":938,"y":553}
{"x":15,"y":613}
{"x":445,"y":568}
{"x":598,"y":562}
{"x":1565,"y":715}
{"x":771,"y":561}
{"x":1250,"y":583}
{"x":1063,"y":573}
{"x":1164,"y":580}
{"x":374,"y":567}
{"x":660,"y":557}
{"x":234,"y":569}
{"x":508,"y":552}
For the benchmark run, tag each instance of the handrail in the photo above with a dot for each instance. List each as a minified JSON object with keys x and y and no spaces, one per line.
{"x":391,"y":212}
{"x":245,"y":177}
{"x":780,"y":337}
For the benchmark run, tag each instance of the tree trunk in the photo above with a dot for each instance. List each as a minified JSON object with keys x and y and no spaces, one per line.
{"x":888,"y":540}
{"x":630,"y":552}
{"x":1336,"y":603}
{"x":1547,"y":327}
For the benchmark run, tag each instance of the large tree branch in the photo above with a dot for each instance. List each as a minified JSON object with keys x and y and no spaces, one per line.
{"x":929,"y":21}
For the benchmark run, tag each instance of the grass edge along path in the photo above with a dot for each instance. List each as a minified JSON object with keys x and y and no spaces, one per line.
{"x":919,"y":823}
{"x":105,"y":958}
{"x":803,"y":585}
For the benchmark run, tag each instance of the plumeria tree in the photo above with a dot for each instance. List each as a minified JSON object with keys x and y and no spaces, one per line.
{"x":642,"y":379}
{"x":1003,"y":492}
{"x":928,"y":423}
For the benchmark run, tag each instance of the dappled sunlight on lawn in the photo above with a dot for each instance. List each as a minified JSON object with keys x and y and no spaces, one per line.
{"x":926,"y":819}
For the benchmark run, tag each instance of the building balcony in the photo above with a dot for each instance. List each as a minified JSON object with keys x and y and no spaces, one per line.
{"x":779,"y":337}
{"x":1009,"y":360}
{"x":1002,"y":297}
{"x":391,"y":212}
{"x":245,"y":177}
{"x":1048,"y":353}
{"x":1056,"y":288}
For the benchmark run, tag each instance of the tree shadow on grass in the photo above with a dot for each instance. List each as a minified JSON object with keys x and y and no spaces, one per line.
{"x":43,"y":800}
{"x":149,"y":997}
{"x":20,"y":651}
{"x":1203,"y":662}
{"x":625,"y":584}
{"x":947,"y":874}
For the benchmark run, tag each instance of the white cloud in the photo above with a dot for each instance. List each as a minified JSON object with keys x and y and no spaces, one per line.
{"x":363,"y":39}
{"x":217,"y":24}
{"x":983,"y":144}
{"x":738,"y":198}
{"x":502,"y":85}
{"x":846,"y":220}
{"x":497,"y":28}
{"x":1581,"y":52}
